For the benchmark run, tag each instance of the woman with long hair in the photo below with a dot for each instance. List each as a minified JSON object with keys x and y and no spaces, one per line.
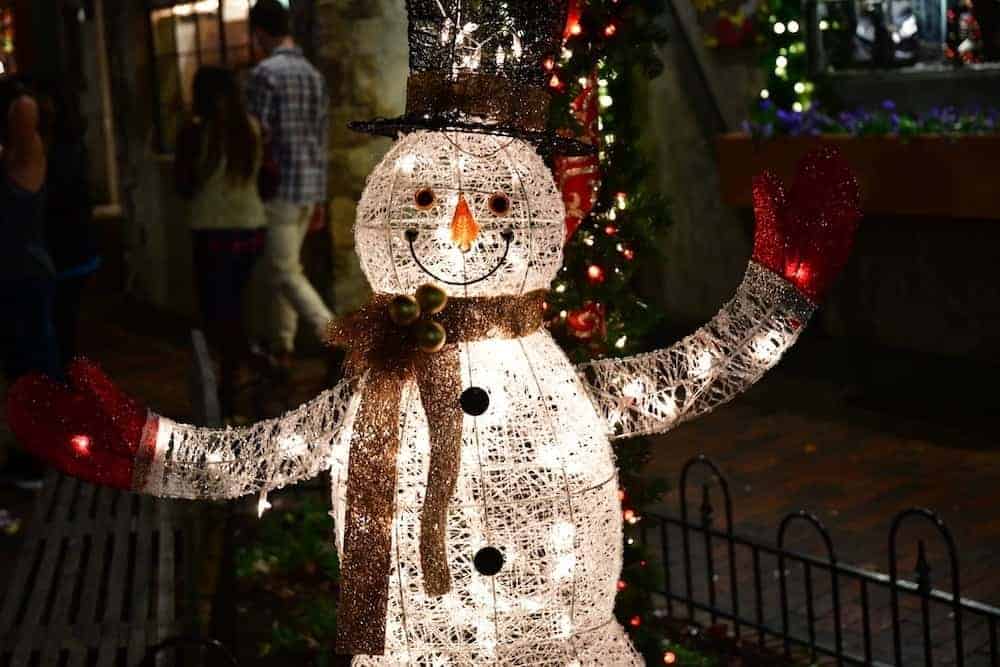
{"x":219,"y":155}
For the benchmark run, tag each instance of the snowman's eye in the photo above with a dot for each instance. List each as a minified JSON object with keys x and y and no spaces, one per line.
{"x":499,"y":204}
{"x":424,"y":198}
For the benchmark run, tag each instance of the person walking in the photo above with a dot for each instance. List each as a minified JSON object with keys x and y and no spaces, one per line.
{"x":27,"y":274}
{"x":218,"y":161}
{"x":289,"y":97}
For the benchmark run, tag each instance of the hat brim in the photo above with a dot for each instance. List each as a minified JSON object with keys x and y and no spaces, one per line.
{"x":547,"y":143}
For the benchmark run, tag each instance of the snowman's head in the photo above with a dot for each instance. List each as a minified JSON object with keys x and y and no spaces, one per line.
{"x":475,"y":214}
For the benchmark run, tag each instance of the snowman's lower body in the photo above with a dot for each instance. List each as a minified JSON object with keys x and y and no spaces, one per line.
{"x":607,"y":646}
{"x":538,"y":483}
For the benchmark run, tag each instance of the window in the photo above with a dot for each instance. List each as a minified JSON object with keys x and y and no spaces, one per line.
{"x":183,"y":37}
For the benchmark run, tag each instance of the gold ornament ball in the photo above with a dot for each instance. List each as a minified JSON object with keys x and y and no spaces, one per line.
{"x":430,"y":336}
{"x":431,"y":298}
{"x":404,"y":310}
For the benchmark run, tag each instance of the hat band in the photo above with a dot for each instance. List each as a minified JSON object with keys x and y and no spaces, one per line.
{"x":484,"y":96}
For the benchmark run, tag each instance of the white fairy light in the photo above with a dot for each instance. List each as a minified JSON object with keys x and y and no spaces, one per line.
{"x":406,"y":163}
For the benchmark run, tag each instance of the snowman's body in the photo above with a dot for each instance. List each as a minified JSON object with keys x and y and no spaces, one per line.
{"x":537,"y":479}
{"x":538,"y":482}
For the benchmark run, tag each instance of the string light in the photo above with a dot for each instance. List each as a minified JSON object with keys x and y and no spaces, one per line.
{"x":81,"y":445}
{"x":669,"y":658}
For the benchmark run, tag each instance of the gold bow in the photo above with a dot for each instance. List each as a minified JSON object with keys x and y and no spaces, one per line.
{"x":395,"y":341}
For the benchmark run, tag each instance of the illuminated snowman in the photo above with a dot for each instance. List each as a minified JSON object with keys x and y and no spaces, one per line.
{"x":519,"y":565}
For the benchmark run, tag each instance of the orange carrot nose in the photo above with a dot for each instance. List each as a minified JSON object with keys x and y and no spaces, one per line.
{"x":464,"y":229}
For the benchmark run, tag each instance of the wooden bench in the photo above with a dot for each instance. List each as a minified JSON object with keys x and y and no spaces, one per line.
{"x":104,"y":575}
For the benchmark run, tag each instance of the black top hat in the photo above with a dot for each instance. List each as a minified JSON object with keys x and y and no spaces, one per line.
{"x":478,"y":66}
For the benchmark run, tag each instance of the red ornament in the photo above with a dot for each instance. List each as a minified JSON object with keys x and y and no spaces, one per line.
{"x":588,"y":322}
{"x":595,"y":274}
{"x":579,"y":176}
{"x":807,"y":236}
{"x":622,"y":585}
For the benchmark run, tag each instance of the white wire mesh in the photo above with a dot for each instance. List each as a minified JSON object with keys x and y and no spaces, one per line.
{"x":652,"y":393}
{"x":537,"y":479}
{"x":538,"y":482}
{"x":196,"y":462}
{"x":478,"y":166}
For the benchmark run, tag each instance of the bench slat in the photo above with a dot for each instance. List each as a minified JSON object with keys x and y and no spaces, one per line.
{"x":20,"y":587}
{"x":45,"y":578}
{"x":71,"y":576}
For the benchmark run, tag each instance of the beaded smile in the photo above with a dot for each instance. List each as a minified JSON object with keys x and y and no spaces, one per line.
{"x":507,"y":235}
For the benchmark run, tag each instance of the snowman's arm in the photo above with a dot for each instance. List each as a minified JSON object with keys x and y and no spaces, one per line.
{"x":182,"y":461}
{"x":654,"y":392}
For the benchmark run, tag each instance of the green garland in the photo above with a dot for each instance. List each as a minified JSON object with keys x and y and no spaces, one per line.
{"x":617,"y":238}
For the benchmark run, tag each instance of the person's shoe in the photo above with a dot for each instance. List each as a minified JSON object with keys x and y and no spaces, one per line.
{"x":23,"y":472}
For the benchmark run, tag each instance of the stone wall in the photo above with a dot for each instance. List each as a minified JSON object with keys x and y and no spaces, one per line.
{"x":706,"y":247}
{"x":361,"y":47}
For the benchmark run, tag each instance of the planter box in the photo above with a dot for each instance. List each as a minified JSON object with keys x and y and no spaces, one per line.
{"x":945,"y":177}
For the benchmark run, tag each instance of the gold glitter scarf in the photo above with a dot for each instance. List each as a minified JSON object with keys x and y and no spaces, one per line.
{"x":390,"y":356}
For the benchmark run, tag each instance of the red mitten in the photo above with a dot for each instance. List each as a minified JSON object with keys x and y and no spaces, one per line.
{"x":806,"y":238}
{"x":90,"y":429}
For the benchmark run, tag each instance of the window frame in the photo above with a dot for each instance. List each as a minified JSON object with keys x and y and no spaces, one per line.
{"x":221,"y":49}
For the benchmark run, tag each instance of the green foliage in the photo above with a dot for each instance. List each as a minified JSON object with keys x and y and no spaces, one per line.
{"x":291,"y":542}
{"x":309,"y":629}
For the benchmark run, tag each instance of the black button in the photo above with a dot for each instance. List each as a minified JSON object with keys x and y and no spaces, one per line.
{"x":475,"y":401}
{"x":488,"y":561}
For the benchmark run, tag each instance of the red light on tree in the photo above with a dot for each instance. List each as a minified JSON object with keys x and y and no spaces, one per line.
{"x":595,"y":274}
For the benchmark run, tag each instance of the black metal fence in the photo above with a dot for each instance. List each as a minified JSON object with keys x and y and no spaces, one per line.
{"x":815,"y":606}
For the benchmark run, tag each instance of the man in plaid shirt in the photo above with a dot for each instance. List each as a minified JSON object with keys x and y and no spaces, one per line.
{"x":290,"y":98}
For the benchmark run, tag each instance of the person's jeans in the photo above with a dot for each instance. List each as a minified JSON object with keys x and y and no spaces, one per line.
{"x":224,"y":260}
{"x":291,"y":294}
{"x":28,"y":338}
